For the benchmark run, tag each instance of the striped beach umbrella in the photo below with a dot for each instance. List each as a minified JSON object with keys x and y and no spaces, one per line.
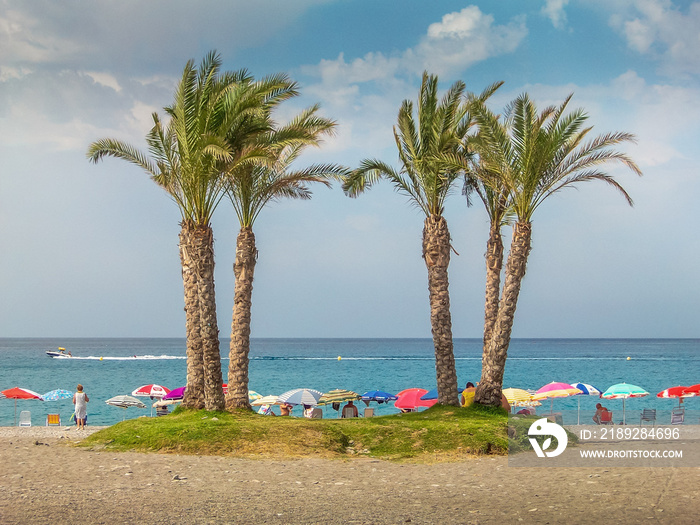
{"x":301,"y":396}
{"x":586,"y":390}
{"x":253,"y":396}
{"x":553,"y":390}
{"x":516,"y":395}
{"x":338,"y":395}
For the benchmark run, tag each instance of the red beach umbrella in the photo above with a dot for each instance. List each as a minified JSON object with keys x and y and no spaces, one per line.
{"x":411,"y":398}
{"x":676,"y":391}
{"x":20,"y":393}
{"x":151,"y":391}
{"x":695,"y":390}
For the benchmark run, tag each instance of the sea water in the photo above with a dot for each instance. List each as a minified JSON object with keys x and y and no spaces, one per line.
{"x":110,"y":367}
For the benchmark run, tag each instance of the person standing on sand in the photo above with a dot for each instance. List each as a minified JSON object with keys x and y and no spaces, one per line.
{"x":80,"y":400}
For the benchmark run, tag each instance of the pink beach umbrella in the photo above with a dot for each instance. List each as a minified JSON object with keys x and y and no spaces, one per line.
{"x":553,"y":390}
{"x":410,"y":398}
{"x":176,"y":393}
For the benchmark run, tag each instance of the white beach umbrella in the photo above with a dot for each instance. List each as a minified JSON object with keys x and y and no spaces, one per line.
{"x":301,"y":396}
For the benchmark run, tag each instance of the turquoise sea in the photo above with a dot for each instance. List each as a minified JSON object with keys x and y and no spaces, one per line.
{"x":109,"y":367}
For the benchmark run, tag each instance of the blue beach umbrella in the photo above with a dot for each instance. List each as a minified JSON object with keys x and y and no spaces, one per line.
{"x":586,"y":390}
{"x":379,"y":396}
{"x":433,"y":394}
{"x":57,"y":395}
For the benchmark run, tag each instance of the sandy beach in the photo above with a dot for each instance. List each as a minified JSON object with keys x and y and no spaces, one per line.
{"x":46,"y":480}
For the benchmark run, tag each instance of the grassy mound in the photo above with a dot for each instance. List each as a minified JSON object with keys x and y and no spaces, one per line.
{"x":437,"y":434}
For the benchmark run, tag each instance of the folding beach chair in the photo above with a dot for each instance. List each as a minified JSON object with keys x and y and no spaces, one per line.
{"x":369,"y":412}
{"x":606,"y":417}
{"x":53,"y":420}
{"x":648,"y":414}
{"x":677,"y":416}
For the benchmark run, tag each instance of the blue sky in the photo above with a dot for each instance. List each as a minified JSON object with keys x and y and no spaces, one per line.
{"x":92,"y":250}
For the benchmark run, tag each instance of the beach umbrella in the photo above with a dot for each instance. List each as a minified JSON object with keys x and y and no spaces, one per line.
{"x":433,"y":394}
{"x":378,"y":395}
{"x":56,"y":395}
{"x":20,"y":393}
{"x":151,"y":391}
{"x":125,"y":402}
{"x":266,"y":400}
{"x":624,"y":391}
{"x":175,"y":394}
{"x":553,"y":390}
{"x":253,"y":396}
{"x":676,"y":392}
{"x":411,"y":398}
{"x":517,"y":395}
{"x":695,"y":389}
{"x":301,"y":396}
{"x":586,"y":390}
{"x":338,"y":396}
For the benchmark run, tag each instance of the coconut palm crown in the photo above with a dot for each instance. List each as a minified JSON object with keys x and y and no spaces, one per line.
{"x":250,"y":188}
{"x":428,"y":139}
{"x":527,"y":157}
{"x":184,"y":157}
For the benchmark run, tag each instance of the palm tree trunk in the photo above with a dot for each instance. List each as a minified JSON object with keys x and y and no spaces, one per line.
{"x":436,"y":252}
{"x":244,"y":270}
{"x":493,"y":363}
{"x":203,"y":241}
{"x":494,"y":265}
{"x":194,"y":394}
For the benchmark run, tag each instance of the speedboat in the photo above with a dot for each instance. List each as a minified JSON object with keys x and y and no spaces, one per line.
{"x":59,"y":355}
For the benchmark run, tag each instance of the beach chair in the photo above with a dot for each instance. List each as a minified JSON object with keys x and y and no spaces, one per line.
{"x":53,"y":420}
{"x":369,"y":412}
{"x":25,"y":418}
{"x":677,"y":416}
{"x":349,"y":412}
{"x":648,"y":414}
{"x":317,"y":413}
{"x":606,"y":417}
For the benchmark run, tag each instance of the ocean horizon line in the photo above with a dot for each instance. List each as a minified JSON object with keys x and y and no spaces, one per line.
{"x":299,"y":338}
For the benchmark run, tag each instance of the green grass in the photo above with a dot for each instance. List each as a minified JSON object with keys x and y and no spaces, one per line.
{"x":437,"y":434}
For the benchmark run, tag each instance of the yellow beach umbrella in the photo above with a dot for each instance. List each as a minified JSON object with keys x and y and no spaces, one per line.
{"x":516,"y":395}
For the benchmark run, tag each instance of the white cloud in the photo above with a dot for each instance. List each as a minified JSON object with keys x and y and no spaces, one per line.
{"x":554,"y":10}
{"x":374,"y":85}
{"x":450,"y":46}
{"x":660,"y":29}
{"x":104,"y":79}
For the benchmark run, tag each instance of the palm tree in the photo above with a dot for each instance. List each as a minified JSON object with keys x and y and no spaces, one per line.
{"x":250,"y":188}
{"x":427,"y":150}
{"x":533,"y":156}
{"x":184,"y":159}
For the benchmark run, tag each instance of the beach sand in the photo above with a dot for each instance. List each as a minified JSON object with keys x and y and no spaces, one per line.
{"x":45,"y":480}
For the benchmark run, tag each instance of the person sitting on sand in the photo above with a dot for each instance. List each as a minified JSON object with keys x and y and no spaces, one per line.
{"x":350,"y":410}
{"x":598,"y":413}
{"x":285,"y":409}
